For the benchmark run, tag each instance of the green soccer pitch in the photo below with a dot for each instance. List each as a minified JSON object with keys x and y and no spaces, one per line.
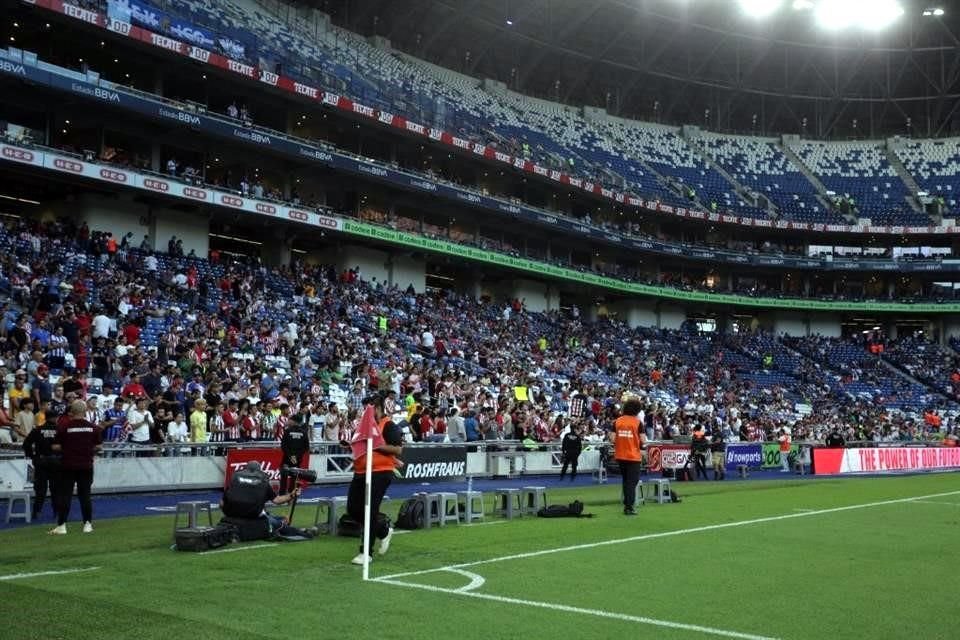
{"x":814,"y":559}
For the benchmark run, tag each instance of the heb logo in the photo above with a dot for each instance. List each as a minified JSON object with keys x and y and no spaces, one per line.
{"x":68,"y":165}
{"x":196,"y":194}
{"x":231,"y":201}
{"x":113,"y":176}
{"x":18,"y":154}
{"x":329,"y":223}
{"x":199,"y":54}
{"x":81,"y":14}
{"x":156,"y":185}
{"x":268,"y":209}
{"x":299,"y":216}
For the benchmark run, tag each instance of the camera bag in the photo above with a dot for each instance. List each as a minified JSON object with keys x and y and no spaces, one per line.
{"x":203,"y":538}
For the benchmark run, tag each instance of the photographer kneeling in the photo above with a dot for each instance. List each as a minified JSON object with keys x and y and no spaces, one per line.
{"x":243,"y":506}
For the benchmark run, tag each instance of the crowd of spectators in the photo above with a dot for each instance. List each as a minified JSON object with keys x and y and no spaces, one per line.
{"x":167,"y":347}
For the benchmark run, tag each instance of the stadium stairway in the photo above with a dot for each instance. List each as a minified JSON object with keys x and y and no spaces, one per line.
{"x":741,"y":190}
{"x":814,"y":180}
{"x":908,"y":180}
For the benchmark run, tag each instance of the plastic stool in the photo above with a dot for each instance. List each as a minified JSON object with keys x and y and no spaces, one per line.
{"x":661,"y":490}
{"x":449,"y":508}
{"x":13,"y":499}
{"x":534,"y":499}
{"x":506,"y":503}
{"x":432,"y":509}
{"x":332,"y":506}
{"x":470,"y":511}
{"x":600,"y":475}
{"x":193,"y":510}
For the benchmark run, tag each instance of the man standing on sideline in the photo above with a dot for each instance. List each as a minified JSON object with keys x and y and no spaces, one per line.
{"x":294,"y":444}
{"x":785,"y":442}
{"x":384,"y":462}
{"x":628,"y":452}
{"x":77,"y":441}
{"x":38,"y":446}
{"x":571,"y":447}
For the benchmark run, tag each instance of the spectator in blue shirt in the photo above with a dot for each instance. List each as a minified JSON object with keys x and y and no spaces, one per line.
{"x":471,"y":426}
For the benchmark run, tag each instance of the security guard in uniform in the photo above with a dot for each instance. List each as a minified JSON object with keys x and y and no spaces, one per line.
{"x":38,"y":446}
{"x":294,"y":445}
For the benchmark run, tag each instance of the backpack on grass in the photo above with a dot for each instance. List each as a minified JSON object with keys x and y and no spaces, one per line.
{"x":572,"y":510}
{"x":411,"y":514}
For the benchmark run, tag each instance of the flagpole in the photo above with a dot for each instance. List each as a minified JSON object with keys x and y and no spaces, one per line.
{"x":366,"y":508}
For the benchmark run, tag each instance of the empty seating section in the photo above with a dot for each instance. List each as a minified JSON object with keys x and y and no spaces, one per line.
{"x":861,"y":171}
{"x":760,"y":165}
{"x":651,"y":161}
{"x":935,"y":166}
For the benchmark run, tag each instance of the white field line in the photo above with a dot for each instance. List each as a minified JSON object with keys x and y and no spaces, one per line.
{"x":476,"y":580}
{"x":668,"y":534}
{"x":19,"y":576}
{"x":952,"y":504}
{"x":578,"y":610}
{"x":233,"y":549}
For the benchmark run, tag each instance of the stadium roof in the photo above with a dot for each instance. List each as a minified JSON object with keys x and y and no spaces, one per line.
{"x":673,"y":60}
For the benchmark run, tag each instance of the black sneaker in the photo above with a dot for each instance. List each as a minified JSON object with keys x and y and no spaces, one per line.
{"x":629,"y":511}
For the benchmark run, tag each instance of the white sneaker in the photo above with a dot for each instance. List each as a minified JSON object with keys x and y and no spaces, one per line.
{"x":385,"y":542}
{"x":360,"y":557}
{"x":88,"y":527}
{"x":59,"y":530}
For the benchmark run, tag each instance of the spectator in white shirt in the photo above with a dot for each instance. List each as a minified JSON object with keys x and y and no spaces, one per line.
{"x":139,"y":421}
{"x":101,"y":325}
{"x":178,"y":432}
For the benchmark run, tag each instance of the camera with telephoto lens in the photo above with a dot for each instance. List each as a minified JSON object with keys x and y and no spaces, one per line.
{"x":306,"y":475}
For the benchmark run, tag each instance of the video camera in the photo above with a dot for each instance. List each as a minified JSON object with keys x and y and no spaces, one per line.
{"x":305,"y":475}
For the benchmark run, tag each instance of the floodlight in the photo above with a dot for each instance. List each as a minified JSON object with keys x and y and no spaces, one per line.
{"x":881,"y":14}
{"x":867,"y":14}
{"x":933,"y":11}
{"x":760,"y":8}
{"x":802,"y":5}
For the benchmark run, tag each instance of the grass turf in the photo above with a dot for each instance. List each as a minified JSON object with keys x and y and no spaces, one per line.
{"x":875,"y":572}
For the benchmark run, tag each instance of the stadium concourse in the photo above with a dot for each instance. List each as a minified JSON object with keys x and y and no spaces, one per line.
{"x":99,"y":319}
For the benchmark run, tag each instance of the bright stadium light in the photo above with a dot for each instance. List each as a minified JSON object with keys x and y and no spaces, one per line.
{"x":760,"y":8}
{"x":802,"y":5}
{"x":872,"y":15}
{"x":933,"y":11}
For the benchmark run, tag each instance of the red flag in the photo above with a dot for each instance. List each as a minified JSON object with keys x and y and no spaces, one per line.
{"x":367,"y":429}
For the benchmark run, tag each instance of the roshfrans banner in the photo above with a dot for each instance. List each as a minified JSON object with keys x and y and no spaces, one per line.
{"x":425,"y":463}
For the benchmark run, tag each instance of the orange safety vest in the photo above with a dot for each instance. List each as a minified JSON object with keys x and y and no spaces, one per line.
{"x":628,"y":442}
{"x":381,"y":461}
{"x":784,"y":444}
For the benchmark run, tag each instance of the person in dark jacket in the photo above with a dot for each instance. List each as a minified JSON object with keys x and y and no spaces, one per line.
{"x":699,"y":446}
{"x":718,"y":452}
{"x":38,"y":446}
{"x":77,"y":441}
{"x":294,"y":445}
{"x":571,"y":446}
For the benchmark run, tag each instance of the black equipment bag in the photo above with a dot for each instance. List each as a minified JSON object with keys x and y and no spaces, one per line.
{"x":249,"y":528}
{"x":411,"y":514}
{"x":572,"y":510}
{"x":204,"y":538}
